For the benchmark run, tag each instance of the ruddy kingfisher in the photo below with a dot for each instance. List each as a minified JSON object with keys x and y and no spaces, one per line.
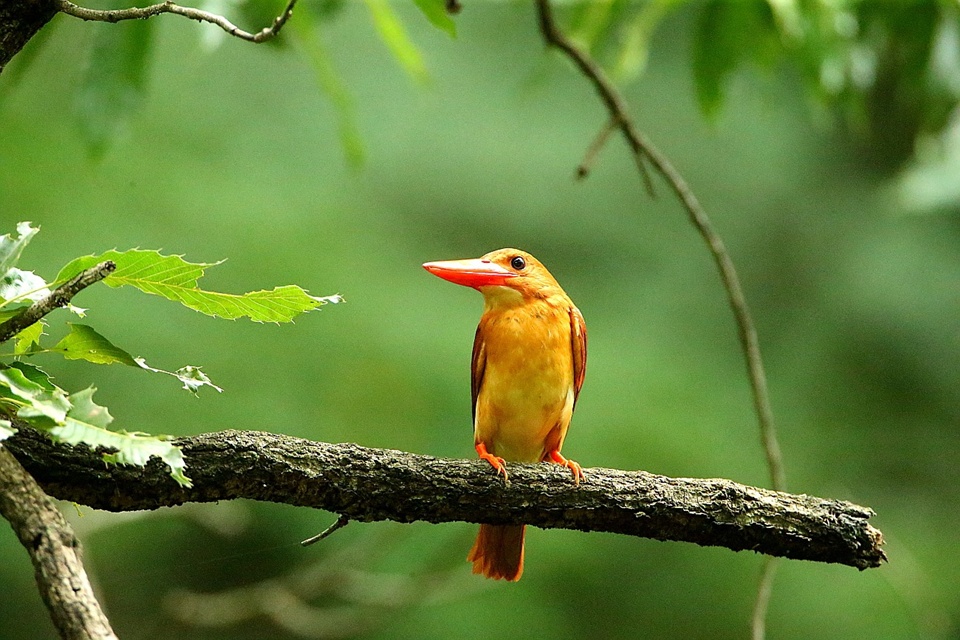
{"x":529,"y":358}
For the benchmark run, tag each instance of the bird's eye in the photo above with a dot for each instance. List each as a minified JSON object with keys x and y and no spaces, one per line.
{"x":518,"y":263}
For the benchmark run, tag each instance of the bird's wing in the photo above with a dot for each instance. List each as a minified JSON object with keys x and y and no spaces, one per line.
{"x":578,"y":344}
{"x":477,"y":366}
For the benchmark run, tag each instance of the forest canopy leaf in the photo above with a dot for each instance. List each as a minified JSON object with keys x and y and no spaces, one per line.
{"x":436,"y":12}
{"x":394,"y":35}
{"x":37,"y":403}
{"x":174,"y":278}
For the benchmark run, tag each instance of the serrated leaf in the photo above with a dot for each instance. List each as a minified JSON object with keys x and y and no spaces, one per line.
{"x":86,"y":422}
{"x":37,"y":404}
{"x":6,"y":429}
{"x":11,"y":248}
{"x":174,"y":278}
{"x":35,"y":374}
{"x":84,"y":343}
{"x":114,"y":85}
{"x":436,"y":13}
{"x":394,"y":35}
{"x":28,"y":340}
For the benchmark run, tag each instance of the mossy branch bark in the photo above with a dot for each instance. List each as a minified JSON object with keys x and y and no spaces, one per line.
{"x":366,"y":484}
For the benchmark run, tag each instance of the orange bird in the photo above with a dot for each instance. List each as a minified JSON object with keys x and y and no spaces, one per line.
{"x":529,"y":357}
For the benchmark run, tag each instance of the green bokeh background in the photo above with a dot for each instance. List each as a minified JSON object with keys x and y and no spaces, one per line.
{"x":853,"y":277}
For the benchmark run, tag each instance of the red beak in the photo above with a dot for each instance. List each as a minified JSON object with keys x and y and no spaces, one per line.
{"x":474,"y":273}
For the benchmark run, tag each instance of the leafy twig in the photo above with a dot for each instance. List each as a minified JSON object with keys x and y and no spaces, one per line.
{"x":368,"y":485}
{"x":59,"y":297}
{"x":140,"y":13}
{"x":55,"y":552}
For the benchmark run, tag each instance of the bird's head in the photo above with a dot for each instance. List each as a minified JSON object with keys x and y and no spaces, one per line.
{"x":504,"y":276}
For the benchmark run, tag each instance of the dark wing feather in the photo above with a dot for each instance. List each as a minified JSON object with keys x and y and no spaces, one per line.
{"x":478,"y":364}
{"x":578,"y":345}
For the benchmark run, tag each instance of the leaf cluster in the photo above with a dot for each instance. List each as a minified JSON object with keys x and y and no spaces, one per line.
{"x":27,"y":391}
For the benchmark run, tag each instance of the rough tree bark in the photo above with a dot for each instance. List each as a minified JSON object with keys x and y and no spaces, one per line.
{"x":20,"y":20}
{"x":378,"y":484}
{"x":55,"y":552}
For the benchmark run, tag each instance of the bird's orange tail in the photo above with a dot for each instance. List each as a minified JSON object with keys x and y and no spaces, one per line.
{"x":498,"y":552}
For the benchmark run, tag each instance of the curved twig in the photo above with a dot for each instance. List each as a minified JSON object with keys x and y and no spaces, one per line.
{"x":140,"y":13}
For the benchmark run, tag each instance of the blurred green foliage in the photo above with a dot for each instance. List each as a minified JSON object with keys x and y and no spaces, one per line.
{"x":852,"y":275}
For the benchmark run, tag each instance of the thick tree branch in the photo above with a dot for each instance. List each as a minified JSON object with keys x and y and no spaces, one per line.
{"x":59,"y":297}
{"x":377,"y":484}
{"x":20,"y":20}
{"x":141,"y":13}
{"x":55,"y":553}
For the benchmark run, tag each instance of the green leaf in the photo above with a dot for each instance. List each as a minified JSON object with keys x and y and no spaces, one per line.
{"x":36,"y":375}
{"x":436,"y":13}
{"x":6,"y":429}
{"x":84,"y":343}
{"x":114,"y":85}
{"x":309,"y":37}
{"x":87,"y":423}
{"x":727,"y":34}
{"x":394,"y":35}
{"x":28,"y":340}
{"x":176,"y":279}
{"x":37,"y":403}
{"x":11,"y":248}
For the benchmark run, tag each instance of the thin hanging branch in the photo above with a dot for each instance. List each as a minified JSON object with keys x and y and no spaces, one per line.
{"x":643,"y":149}
{"x":366,"y":485}
{"x":141,"y":13}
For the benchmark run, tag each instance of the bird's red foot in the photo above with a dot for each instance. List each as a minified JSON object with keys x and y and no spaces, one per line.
{"x":574,"y":467}
{"x":495,"y":461}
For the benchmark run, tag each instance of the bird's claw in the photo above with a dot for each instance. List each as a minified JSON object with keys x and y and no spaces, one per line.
{"x":574,"y":467}
{"x":496,"y":462}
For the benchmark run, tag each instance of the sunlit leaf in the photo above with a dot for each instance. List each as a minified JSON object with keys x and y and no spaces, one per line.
{"x":11,"y":247}
{"x":114,"y":85}
{"x":84,"y":343}
{"x":636,"y":36}
{"x":436,"y":13}
{"x":86,"y":423}
{"x":6,"y":429}
{"x":29,"y":339}
{"x":176,"y":279}
{"x":394,"y":35}
{"x":36,"y":403}
{"x":35,"y":374}
{"x":17,"y":285}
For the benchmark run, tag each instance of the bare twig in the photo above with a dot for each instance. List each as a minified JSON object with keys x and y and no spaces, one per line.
{"x":341,"y":522}
{"x":55,"y":552}
{"x":140,"y":13}
{"x":758,"y":622}
{"x":583,"y":169}
{"x":59,"y":297}
{"x":379,"y":484}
